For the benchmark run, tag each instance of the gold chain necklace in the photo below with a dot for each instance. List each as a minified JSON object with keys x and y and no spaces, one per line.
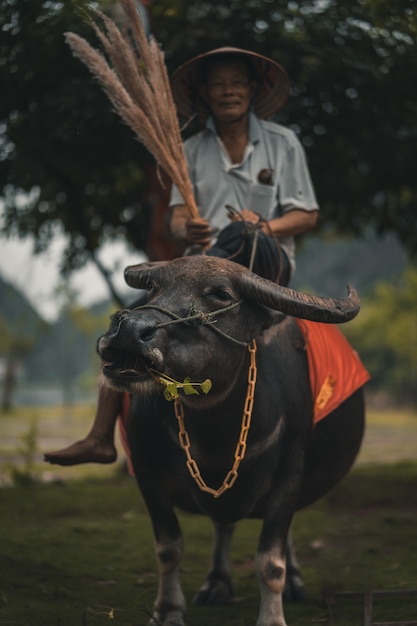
{"x":241,"y":446}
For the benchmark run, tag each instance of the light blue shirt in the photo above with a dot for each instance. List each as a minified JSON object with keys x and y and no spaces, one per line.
{"x":217,"y":181}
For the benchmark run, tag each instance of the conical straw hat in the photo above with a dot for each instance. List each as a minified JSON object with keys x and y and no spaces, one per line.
{"x":270,"y":96}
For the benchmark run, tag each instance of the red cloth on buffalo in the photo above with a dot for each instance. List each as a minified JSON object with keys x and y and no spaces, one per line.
{"x":336,"y":370}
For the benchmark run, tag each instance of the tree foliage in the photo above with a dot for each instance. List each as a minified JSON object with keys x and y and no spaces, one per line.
{"x":60,"y":143}
{"x":385,"y":333}
{"x":353,"y":104}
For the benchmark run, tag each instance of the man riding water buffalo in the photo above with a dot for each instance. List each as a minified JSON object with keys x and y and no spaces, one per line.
{"x":251,"y":184}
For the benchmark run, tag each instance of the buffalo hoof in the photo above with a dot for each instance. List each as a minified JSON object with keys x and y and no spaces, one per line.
{"x":294,"y":590}
{"x":158,"y":622}
{"x":173,"y":620}
{"x":214,"y":591}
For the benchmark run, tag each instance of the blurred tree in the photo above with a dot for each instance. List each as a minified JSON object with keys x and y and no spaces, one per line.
{"x":65,"y":158}
{"x":14,"y":347}
{"x":385,"y":333}
{"x":20,"y":329}
{"x":354,"y":95}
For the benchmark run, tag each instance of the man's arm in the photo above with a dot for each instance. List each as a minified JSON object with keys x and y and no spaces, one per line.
{"x":293,"y":222}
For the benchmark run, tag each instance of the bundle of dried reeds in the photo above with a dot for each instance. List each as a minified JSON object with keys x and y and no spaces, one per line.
{"x":136,"y":81}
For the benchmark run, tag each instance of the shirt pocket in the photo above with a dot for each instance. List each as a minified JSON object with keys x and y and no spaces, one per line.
{"x":262,"y":199}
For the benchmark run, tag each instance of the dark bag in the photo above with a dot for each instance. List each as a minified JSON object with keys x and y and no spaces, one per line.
{"x":236,"y":243}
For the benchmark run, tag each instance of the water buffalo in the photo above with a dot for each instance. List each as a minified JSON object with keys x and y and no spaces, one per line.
{"x":244,"y":449}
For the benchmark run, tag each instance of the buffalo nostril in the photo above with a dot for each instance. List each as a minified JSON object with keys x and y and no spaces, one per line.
{"x":148,"y":333}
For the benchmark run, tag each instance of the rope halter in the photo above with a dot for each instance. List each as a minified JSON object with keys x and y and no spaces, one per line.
{"x":196,"y":317}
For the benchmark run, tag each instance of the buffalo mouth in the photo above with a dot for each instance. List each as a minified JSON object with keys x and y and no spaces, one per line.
{"x":125,"y":368}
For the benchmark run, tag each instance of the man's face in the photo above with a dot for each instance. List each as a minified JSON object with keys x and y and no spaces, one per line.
{"x":228,"y":90}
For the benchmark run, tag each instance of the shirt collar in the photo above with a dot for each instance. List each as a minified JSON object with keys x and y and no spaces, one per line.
{"x":255,"y":129}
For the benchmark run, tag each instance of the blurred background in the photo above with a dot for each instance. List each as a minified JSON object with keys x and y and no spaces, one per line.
{"x":80,"y":198}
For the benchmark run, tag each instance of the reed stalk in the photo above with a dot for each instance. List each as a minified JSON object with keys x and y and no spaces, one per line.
{"x":133,"y":74}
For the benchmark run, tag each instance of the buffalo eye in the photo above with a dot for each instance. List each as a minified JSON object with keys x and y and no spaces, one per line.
{"x":221,"y":294}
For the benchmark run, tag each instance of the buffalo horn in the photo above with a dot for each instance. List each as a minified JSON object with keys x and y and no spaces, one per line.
{"x":138,"y":276}
{"x":298,"y":304}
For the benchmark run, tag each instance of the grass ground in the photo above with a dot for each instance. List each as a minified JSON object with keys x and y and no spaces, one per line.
{"x":79,"y":552}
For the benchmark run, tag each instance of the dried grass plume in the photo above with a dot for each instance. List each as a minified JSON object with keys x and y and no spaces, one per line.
{"x":135,"y":79}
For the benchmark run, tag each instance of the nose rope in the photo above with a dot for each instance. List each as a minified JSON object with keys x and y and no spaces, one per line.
{"x":196,"y":317}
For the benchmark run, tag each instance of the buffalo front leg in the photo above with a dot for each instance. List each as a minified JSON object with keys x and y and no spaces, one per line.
{"x":169,"y":607}
{"x":218,"y":588}
{"x":271,"y":561}
{"x":271,"y":571}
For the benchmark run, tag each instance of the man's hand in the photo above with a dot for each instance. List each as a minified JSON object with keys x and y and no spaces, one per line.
{"x":198,"y":232}
{"x":191,"y":231}
{"x":244,"y":215}
{"x":249,"y":216}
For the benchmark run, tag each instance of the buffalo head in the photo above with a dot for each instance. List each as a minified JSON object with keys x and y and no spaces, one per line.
{"x":199,"y":313}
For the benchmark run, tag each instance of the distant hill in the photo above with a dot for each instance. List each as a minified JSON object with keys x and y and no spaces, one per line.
{"x":60,"y":351}
{"x":325,"y":266}
{"x":16,"y":308}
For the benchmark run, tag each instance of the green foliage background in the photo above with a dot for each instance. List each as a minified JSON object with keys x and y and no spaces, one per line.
{"x":385,"y":333}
